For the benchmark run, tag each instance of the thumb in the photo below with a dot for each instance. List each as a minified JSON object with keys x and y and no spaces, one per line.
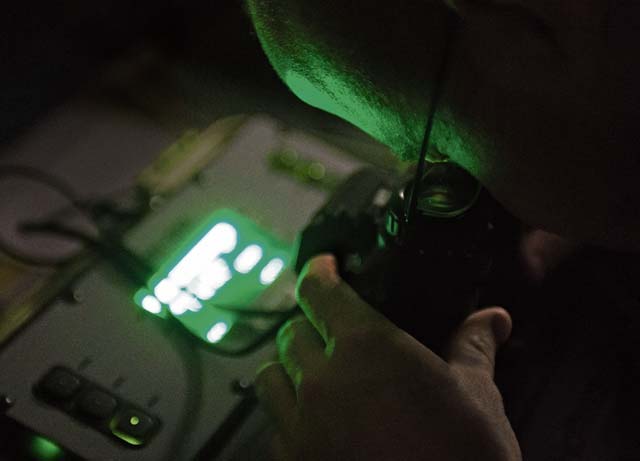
{"x":476,"y":342}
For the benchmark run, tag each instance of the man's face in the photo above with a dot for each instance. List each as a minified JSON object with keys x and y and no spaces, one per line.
{"x":539,"y":98}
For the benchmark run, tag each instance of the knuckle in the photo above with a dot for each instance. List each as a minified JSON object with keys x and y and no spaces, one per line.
{"x":483,"y":346}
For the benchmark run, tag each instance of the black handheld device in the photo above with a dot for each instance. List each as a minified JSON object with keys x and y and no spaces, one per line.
{"x":424,"y":275}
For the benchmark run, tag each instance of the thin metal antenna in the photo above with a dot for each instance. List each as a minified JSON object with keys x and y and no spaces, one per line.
{"x":436,"y":95}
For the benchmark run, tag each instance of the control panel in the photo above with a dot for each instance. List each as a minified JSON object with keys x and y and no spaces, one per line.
{"x":117,"y":369}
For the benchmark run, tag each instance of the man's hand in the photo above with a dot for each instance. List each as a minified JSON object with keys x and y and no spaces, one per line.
{"x":351,"y":386}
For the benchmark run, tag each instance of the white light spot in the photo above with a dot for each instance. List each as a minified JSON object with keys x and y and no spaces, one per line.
{"x":151,"y":304}
{"x":270,"y":273}
{"x":183,"y":303}
{"x":166,"y":290}
{"x":221,"y":239}
{"x":217,"y":332}
{"x":215,"y":274}
{"x":225,"y":237}
{"x":248,"y":259}
{"x":202,"y":290}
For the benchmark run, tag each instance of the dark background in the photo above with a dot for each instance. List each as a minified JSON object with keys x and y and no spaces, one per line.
{"x":174,"y":56}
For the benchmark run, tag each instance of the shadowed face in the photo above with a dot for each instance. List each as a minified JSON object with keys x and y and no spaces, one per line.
{"x":540,"y":100}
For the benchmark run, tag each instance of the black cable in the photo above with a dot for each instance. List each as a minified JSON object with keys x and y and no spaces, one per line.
{"x":93,"y":209}
{"x":52,"y":182}
{"x":41,"y":177}
{"x":436,"y":96}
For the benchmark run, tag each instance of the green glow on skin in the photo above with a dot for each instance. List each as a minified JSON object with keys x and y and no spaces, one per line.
{"x":333,"y":95}
{"x":44,"y":449}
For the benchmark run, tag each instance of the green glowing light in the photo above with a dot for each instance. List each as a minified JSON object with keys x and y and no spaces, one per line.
{"x":131,"y":440}
{"x":217,"y":332}
{"x":248,"y":259}
{"x":134,"y":420}
{"x":313,"y":94}
{"x":44,"y":449}
{"x":229,"y":262}
{"x":326,"y":89}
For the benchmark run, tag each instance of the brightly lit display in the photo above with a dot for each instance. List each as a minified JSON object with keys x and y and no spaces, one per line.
{"x":228,"y":264}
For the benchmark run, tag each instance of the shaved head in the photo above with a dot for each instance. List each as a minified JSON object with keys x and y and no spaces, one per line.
{"x":540,"y":103}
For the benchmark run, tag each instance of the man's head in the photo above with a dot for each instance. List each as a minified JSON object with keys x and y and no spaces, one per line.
{"x":540,"y":99}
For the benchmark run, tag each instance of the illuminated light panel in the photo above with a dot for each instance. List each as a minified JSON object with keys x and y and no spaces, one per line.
{"x":217,"y":332}
{"x":248,"y":259}
{"x":230,"y":261}
{"x":270,"y":273}
{"x":221,"y":239}
{"x":151,"y":304}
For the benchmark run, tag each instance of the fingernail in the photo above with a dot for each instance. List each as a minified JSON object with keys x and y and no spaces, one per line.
{"x":501,"y":325}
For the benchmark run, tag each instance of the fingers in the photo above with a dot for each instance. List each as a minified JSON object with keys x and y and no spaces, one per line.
{"x":275,"y":392}
{"x":328,"y":302}
{"x":301,"y":349}
{"x":476,"y":342}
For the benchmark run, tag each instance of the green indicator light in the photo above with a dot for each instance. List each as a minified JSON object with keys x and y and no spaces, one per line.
{"x":230,"y":262}
{"x":131,"y":440}
{"x":44,"y":449}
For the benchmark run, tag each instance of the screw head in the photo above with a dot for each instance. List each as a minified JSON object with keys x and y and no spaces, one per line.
{"x":6,"y":402}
